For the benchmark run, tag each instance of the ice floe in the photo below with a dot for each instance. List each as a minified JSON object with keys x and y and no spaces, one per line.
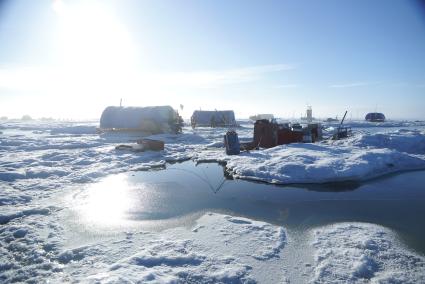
{"x":219,"y":249}
{"x":318,"y":163}
{"x":360,"y":157}
{"x":363,"y":253}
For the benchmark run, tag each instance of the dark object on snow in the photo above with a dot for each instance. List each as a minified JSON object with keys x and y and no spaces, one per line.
{"x":330,"y":119}
{"x":375,"y":117}
{"x":268,"y":134}
{"x":265,"y":134}
{"x":152,"y":120}
{"x":123,"y":147}
{"x":214,"y":118}
{"x":231,"y":142}
{"x":143,"y":145}
{"x":287,"y":136}
{"x":132,"y":148}
{"x":296,"y":127}
{"x":342,"y":132}
{"x":151,"y":144}
{"x":313,"y":132}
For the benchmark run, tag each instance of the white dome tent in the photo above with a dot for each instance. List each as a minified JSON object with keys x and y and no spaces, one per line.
{"x":213,"y":118}
{"x":154,"y":119}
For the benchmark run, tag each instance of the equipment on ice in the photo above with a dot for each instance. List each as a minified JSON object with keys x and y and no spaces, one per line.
{"x":342,"y":132}
{"x":231,"y":142}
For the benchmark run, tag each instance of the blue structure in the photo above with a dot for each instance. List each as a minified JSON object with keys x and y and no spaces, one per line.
{"x":213,"y":118}
{"x":231,"y":142}
{"x":375,"y":117}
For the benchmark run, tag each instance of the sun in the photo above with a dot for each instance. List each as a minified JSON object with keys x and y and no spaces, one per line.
{"x":97,"y":50}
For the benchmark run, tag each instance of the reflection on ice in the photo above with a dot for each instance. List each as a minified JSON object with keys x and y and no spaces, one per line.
{"x":108,"y":202}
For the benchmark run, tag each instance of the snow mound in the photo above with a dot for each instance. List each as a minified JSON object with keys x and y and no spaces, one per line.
{"x":319,"y":163}
{"x":360,"y":157}
{"x":408,"y":141}
{"x":363,"y":253}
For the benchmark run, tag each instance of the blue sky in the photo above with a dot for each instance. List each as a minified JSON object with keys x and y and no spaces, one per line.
{"x":71,"y":59}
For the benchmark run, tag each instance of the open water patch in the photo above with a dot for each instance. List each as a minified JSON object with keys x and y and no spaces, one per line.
{"x":188,"y":188}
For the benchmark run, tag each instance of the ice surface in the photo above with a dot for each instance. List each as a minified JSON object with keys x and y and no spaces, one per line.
{"x":66,"y":153}
{"x":318,"y":163}
{"x":360,"y":157}
{"x":38,"y":161}
{"x":218,"y":249}
{"x":198,"y":255}
{"x":363,"y":253}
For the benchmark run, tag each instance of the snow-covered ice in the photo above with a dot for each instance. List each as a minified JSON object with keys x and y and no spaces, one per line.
{"x":38,"y":161}
{"x":77,"y":154}
{"x":363,"y":253}
{"x":217,"y":249}
{"x":360,"y":157}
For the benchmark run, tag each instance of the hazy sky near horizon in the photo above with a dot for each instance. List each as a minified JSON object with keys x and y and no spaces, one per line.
{"x":71,"y":59}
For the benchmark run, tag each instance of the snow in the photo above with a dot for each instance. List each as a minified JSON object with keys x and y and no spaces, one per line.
{"x":379,"y":125}
{"x":217,"y":248}
{"x":360,"y":157}
{"x":198,"y":255}
{"x":65,"y":153}
{"x":409,"y":141}
{"x":321,"y":162}
{"x":40,"y":160}
{"x":363,"y":253}
{"x":61,"y":154}
{"x":176,"y":255}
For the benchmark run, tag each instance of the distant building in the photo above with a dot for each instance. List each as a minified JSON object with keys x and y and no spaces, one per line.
{"x":309,"y":115}
{"x":213,"y":118}
{"x":261,"y":116}
{"x":375,"y":117}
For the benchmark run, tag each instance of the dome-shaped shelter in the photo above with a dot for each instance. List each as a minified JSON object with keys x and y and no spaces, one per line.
{"x":153,"y":120}
{"x":213,"y":118}
{"x":375,"y":117}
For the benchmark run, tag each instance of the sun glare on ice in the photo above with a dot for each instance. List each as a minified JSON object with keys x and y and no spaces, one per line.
{"x":108,"y":202}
